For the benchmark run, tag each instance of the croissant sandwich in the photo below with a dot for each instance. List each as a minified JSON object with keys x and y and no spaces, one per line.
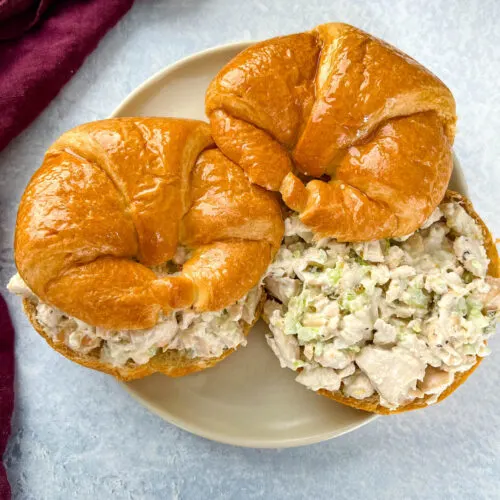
{"x":133,"y":244}
{"x":385,"y":289}
{"x":355,"y":135}
{"x":153,"y":244}
{"x":387,"y":325}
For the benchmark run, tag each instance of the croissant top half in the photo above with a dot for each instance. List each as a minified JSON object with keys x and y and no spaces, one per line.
{"x":368,"y":129}
{"x":116,"y":197}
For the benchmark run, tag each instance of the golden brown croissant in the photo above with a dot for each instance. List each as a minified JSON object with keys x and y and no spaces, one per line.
{"x":114,"y":198}
{"x":338,"y":104}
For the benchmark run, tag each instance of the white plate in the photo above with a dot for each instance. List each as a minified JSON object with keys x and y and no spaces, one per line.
{"x":246,"y":400}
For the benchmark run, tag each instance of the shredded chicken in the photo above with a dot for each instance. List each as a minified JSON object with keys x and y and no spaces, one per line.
{"x":397,"y":318}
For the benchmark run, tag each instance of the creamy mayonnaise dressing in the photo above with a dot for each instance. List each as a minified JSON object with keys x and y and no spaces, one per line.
{"x":396,"y":318}
{"x":198,"y":335}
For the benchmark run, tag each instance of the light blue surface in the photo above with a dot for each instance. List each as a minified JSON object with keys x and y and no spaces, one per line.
{"x":77,"y":434}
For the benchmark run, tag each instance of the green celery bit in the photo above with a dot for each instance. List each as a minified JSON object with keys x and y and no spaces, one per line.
{"x":306,"y":334}
{"x":418,"y":298}
{"x":334,"y":275}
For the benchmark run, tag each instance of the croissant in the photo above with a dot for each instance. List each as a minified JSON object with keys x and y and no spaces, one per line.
{"x":354,"y":134}
{"x":106,"y":214}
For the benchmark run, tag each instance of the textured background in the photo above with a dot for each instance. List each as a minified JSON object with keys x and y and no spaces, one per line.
{"x":78,"y":435}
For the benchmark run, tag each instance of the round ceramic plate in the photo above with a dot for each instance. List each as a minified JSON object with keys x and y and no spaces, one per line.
{"x":246,"y":400}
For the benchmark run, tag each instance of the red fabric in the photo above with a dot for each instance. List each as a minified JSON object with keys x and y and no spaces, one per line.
{"x":36,"y":66}
{"x":6,"y":389}
{"x":18,"y":16}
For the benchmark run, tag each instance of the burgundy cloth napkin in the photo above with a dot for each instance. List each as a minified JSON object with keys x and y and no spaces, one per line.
{"x":18,"y":16}
{"x":6,"y":389}
{"x":42,"y":44}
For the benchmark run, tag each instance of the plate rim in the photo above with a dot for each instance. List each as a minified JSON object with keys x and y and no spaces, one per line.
{"x":155,"y":77}
{"x":243,"y":442}
{"x":160,"y":411}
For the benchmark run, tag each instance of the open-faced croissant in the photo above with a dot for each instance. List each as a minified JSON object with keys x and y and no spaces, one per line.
{"x":371,"y":126}
{"x":138,"y":245}
{"x":386,"y":326}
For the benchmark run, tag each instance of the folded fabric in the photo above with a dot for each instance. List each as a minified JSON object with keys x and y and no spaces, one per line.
{"x":18,"y":16}
{"x":6,"y":389}
{"x":34,"y":67}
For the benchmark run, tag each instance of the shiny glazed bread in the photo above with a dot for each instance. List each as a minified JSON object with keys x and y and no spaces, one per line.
{"x":371,"y":127}
{"x":116,"y":197}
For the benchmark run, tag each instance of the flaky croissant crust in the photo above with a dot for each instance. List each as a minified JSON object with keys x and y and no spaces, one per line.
{"x":367,"y":128}
{"x":114,"y":198}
